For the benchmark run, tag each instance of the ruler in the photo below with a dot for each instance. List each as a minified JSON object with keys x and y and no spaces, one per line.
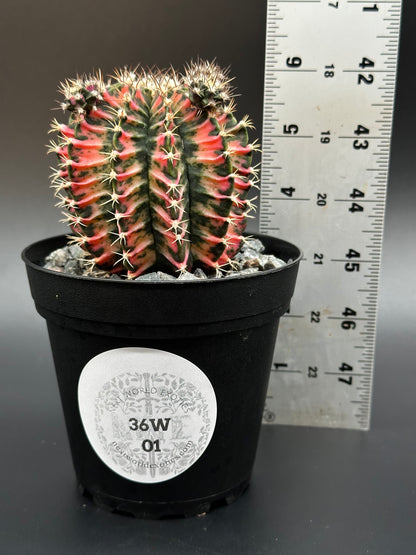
{"x":330,"y":75}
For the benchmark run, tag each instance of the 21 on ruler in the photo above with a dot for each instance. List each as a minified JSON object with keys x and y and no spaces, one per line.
{"x":328,"y":101}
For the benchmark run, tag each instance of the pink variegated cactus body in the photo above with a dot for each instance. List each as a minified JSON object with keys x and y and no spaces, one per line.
{"x":154,"y":170}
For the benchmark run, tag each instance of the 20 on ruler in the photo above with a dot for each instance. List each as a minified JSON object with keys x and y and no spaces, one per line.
{"x":329,"y":89}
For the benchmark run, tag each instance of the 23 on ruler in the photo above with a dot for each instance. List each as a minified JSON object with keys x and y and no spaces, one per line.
{"x":329,"y":88}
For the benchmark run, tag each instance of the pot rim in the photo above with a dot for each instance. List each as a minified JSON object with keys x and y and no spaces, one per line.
{"x":150,"y":282}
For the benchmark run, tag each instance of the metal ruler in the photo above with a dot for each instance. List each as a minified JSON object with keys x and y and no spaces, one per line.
{"x":328,"y":104}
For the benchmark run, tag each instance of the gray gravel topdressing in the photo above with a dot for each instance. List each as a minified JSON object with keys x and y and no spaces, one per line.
{"x":73,"y":260}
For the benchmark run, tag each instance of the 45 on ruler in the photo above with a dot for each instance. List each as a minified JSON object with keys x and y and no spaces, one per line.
{"x":328,"y":103}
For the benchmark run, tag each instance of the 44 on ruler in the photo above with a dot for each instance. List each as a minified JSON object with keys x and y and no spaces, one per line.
{"x":328,"y":101}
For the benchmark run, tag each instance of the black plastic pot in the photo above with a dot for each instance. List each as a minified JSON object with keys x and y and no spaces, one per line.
{"x":226,"y":327}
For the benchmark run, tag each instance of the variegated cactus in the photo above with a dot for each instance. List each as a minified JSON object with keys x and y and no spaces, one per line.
{"x":154,"y":169}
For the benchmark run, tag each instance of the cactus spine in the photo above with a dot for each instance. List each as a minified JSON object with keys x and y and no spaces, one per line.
{"x":154,"y":169}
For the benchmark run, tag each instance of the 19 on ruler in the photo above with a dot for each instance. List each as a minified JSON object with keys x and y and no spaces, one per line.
{"x":329,"y":88}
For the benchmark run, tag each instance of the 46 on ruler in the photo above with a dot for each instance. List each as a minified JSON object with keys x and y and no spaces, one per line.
{"x":328,"y":101}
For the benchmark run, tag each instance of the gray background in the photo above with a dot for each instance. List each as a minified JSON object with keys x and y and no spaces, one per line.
{"x":314,"y":490}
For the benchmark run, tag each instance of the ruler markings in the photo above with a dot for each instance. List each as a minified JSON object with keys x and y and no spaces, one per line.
{"x":288,"y":199}
{"x":293,"y":316}
{"x":372,"y":71}
{"x":332,"y":165}
{"x":348,"y":260}
{"x":342,"y":374}
{"x":345,"y":317}
{"x":349,"y":200}
{"x":290,"y":136}
{"x":368,"y":138}
{"x":289,"y":371}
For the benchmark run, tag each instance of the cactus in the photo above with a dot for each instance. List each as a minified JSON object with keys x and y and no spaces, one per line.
{"x":154,"y":169}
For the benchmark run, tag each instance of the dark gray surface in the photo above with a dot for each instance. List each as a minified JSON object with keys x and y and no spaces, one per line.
{"x":314,"y":491}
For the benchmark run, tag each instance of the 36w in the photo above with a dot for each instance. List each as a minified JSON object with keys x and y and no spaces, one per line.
{"x":145,"y":424}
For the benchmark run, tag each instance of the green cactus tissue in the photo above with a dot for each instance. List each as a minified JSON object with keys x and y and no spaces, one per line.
{"x":154,"y":169}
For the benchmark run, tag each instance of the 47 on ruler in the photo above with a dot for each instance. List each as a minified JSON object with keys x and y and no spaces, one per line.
{"x":330,"y":74}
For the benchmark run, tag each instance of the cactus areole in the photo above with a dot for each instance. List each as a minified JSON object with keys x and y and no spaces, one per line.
{"x":154,"y":169}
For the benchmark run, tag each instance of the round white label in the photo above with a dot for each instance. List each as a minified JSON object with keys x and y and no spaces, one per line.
{"x":148,"y":414}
